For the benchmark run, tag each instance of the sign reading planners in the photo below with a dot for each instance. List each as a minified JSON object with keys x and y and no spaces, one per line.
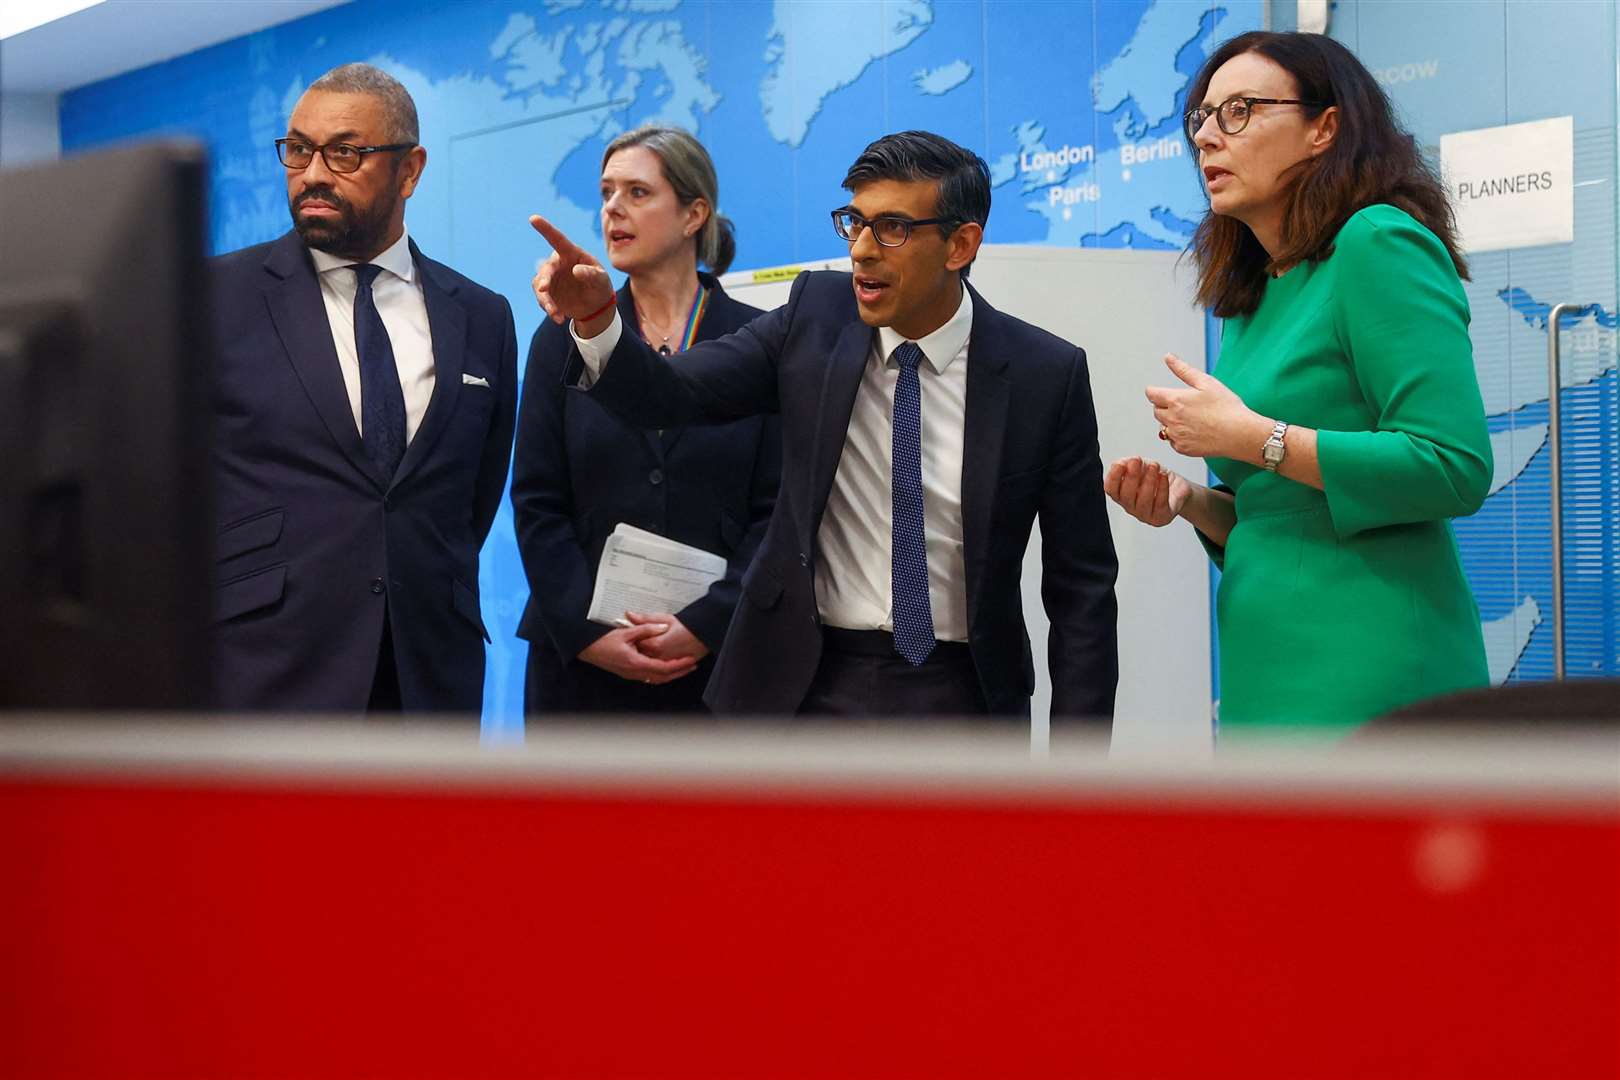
{"x":1512,"y":186}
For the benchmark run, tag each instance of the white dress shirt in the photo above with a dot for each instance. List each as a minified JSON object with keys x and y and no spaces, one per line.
{"x":854,"y":547}
{"x":398,"y":295}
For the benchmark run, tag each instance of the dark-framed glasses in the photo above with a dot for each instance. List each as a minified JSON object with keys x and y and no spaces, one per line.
{"x":339,"y":157}
{"x":888,"y":231}
{"x":1232,"y":115}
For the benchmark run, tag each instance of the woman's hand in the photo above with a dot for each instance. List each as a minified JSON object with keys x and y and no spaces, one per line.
{"x":571,"y":284}
{"x":673,"y":642}
{"x":1204,"y":419}
{"x":616,"y":652}
{"x":1147,"y":490}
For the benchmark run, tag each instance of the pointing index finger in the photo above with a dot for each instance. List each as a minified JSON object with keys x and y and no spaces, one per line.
{"x":554,"y":236}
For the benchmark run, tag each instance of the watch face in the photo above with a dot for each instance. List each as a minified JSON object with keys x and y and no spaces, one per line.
{"x":1272,"y":454}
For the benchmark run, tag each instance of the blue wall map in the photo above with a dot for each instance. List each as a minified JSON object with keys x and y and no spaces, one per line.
{"x":1076,"y":106}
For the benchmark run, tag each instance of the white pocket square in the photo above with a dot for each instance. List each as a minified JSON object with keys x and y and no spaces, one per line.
{"x":473,"y":380}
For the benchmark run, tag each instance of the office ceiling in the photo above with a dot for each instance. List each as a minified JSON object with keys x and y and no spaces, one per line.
{"x":122,"y":35}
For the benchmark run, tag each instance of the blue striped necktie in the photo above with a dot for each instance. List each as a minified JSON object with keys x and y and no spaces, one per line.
{"x":913,"y":616}
{"x":382,"y":402}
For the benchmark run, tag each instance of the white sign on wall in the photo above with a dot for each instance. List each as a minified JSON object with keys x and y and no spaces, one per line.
{"x":1512,"y":186}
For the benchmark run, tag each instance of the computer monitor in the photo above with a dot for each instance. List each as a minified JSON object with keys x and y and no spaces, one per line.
{"x":104,"y":421}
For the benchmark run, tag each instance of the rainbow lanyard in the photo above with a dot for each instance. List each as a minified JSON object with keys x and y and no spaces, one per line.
{"x":698,"y":304}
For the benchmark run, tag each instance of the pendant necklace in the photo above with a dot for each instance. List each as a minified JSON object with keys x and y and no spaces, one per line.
{"x":693,"y":317}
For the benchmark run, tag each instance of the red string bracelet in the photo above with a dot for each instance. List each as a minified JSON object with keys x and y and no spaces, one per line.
{"x":598,"y":311}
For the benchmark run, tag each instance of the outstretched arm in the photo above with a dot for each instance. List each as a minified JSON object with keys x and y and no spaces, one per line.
{"x":713,"y":383}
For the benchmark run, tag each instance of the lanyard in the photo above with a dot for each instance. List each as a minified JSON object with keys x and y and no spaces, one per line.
{"x":693,"y":318}
{"x":699,"y":302}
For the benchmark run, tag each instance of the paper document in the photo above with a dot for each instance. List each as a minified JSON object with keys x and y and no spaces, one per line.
{"x":642,"y":571}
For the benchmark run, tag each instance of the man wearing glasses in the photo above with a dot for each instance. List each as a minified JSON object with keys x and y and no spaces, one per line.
{"x":923,"y":433}
{"x":364,"y":405}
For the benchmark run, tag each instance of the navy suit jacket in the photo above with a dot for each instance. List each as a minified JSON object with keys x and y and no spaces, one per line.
{"x":1030,"y":448}
{"x":314,"y":547}
{"x":579,"y":471}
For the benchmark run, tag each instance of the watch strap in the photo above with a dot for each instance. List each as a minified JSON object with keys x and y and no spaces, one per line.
{"x":1274,"y":450}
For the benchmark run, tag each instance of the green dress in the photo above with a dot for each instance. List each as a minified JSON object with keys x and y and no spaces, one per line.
{"x":1337,"y":605}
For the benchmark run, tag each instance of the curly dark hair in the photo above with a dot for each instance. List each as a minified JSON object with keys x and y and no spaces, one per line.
{"x":1371,"y":160}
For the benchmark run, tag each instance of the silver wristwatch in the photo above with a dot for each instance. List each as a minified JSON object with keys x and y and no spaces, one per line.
{"x":1271,"y":454}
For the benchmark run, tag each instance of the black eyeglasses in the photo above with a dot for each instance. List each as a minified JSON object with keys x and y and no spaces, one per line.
{"x":339,"y":157}
{"x":1232,"y":115}
{"x":888,"y":231}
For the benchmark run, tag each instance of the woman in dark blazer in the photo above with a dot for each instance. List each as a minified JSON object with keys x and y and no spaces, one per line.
{"x":578,"y":472}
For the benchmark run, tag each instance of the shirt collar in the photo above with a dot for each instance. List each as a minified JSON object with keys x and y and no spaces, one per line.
{"x":396,"y":259}
{"x":941,"y":347}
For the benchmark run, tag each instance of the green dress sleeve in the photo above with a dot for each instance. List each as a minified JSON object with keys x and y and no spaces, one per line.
{"x":1402,"y":318}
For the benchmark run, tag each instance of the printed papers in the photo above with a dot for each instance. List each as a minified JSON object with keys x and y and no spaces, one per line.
{"x":644,"y":572}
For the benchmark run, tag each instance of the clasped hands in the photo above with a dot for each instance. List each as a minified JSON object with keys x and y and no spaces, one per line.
{"x":653,"y":649}
{"x":1200,"y":418}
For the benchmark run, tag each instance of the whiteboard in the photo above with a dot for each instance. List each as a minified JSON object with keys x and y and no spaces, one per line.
{"x":1126,"y":309}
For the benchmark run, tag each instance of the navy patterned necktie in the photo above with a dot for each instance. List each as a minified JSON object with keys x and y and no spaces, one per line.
{"x":382,"y":402}
{"x":913,"y":616}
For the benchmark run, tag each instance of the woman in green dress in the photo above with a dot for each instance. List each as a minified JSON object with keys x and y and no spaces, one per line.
{"x":1344,"y":417}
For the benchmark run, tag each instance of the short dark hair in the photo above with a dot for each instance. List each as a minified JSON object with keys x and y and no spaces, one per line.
{"x":1372,"y":160}
{"x":399,"y":111}
{"x":963,"y":177}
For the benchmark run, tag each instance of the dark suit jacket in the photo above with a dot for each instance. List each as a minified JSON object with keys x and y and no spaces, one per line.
{"x":313,"y":546}
{"x":579,"y":471}
{"x":1030,"y":447}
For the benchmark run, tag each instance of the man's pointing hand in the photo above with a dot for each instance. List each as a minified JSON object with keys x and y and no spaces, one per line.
{"x":571,"y":284}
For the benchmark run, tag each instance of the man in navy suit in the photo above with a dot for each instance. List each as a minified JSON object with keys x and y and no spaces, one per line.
{"x":923,"y":432}
{"x":364,"y":406}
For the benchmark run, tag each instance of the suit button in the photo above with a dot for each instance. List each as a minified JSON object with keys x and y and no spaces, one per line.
{"x":377,"y":585}
{"x":655,"y":477}
{"x":804,"y":560}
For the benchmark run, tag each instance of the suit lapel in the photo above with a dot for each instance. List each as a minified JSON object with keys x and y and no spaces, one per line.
{"x":838,"y":389}
{"x":447,"y":324}
{"x":299,"y":313}
{"x":984,"y":433}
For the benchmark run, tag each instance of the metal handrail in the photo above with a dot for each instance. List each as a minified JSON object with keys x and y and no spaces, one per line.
{"x":1555,"y":447}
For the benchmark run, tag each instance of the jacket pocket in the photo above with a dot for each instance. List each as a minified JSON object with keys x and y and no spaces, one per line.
{"x":465,"y":601}
{"x":250,"y":592}
{"x":259,"y":531}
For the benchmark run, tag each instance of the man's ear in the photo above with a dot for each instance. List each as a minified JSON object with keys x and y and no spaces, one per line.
{"x":413,"y":161}
{"x":963,"y":245}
